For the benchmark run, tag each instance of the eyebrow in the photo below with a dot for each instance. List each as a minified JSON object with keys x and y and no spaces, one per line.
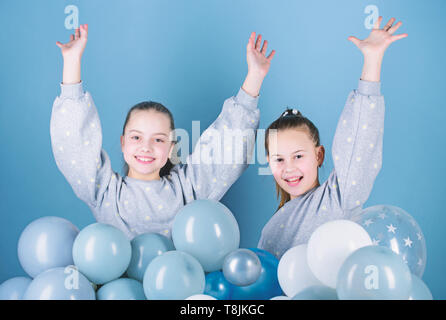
{"x":276,"y":154}
{"x":158,"y":133}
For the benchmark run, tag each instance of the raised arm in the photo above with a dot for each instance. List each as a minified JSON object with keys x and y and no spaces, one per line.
{"x":358,"y":141}
{"x":72,"y":53}
{"x":217,"y":161}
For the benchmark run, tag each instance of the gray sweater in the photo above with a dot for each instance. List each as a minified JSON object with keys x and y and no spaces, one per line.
{"x":137,"y":206}
{"x":357,"y":157}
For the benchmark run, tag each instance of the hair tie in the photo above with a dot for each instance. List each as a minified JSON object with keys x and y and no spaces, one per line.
{"x":291,"y":113}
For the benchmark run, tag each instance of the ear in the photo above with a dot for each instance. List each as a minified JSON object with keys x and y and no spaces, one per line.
{"x":320,"y":155}
{"x":122,"y":142}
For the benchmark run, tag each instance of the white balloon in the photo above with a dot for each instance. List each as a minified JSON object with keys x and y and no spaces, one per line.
{"x":280,"y":298}
{"x":200,"y":297}
{"x":329,"y":246}
{"x":293,"y":271}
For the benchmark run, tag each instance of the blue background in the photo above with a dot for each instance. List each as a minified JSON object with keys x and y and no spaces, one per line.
{"x":191,"y":56}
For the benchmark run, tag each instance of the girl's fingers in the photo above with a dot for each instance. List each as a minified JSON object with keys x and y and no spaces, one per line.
{"x":258,"y":42}
{"x":389,"y":24}
{"x":377,"y":22}
{"x":264,"y":47}
{"x":71,"y":37}
{"x":271,"y":55}
{"x":84,"y":31}
{"x":76,"y":34}
{"x":355,"y":40}
{"x":59,"y":44}
{"x":251,"y":41}
{"x":395,"y":27}
{"x":398,"y":37}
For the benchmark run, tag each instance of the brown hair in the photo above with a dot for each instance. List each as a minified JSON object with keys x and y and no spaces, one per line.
{"x":146,"y":106}
{"x":291,"y":119}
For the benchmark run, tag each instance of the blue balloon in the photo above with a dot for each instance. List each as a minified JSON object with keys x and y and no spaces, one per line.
{"x":60,"y":284}
{"x":394,"y":228}
{"x":145,"y":247}
{"x":267,"y":285}
{"x":374,"y":273}
{"x":101,"y":252}
{"x":121,"y":289}
{"x":217,"y":286}
{"x":242,"y":267}
{"x":46,"y":243}
{"x":14,"y":288}
{"x":420,"y":290}
{"x":174,"y":275}
{"x":207,"y":230}
{"x":316,"y":293}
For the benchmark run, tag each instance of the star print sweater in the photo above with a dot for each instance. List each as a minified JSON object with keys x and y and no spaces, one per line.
{"x":357,"y":157}
{"x":138,"y":206}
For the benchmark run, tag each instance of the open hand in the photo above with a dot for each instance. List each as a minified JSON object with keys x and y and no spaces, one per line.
{"x":76,"y":46}
{"x":258,"y":62}
{"x":378,"y":39}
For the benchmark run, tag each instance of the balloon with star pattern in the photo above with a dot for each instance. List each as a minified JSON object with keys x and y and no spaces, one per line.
{"x":392,"y":227}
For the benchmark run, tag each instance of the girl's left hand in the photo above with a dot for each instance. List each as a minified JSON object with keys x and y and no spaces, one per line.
{"x":379,"y":39}
{"x":258,"y":62}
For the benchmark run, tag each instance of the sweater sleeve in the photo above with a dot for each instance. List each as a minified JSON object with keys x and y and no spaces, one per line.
{"x":223,"y":150}
{"x":358,"y":144}
{"x":76,"y":141}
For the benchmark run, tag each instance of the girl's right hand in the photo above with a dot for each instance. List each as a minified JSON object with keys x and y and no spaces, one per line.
{"x":76,"y":46}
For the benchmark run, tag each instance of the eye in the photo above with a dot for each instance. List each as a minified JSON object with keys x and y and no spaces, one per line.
{"x":279,"y":159}
{"x":134,"y":137}
{"x":299,"y":156}
{"x":159,"y":140}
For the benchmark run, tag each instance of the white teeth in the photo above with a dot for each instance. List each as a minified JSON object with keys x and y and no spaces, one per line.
{"x":293,"y":180}
{"x":144,"y":159}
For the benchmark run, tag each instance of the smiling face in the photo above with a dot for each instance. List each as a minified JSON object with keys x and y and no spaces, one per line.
{"x":294,"y":160}
{"x":147,"y":144}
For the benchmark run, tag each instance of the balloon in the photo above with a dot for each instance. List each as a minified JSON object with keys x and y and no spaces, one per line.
{"x":145,"y":247}
{"x":419,"y":290}
{"x":200,"y":297}
{"x":266,"y":286}
{"x":121,"y":289}
{"x":316,"y":293}
{"x":374,"y":273}
{"x":329,"y":246}
{"x":174,"y":275}
{"x":46,"y":243}
{"x":242,"y":267}
{"x":101,"y":252}
{"x":293,"y":271}
{"x":217,"y":286}
{"x":14,"y":288}
{"x":60,"y":284}
{"x":207,"y":230}
{"x":394,"y":228}
{"x":281,"y":298}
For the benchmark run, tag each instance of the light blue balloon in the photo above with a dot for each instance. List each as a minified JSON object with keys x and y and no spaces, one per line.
{"x":267,"y":285}
{"x":174,"y":275}
{"x":316,"y":293}
{"x":394,"y":228}
{"x":145,"y":247}
{"x":46,"y":243}
{"x":207,"y":230}
{"x":420,"y":290}
{"x":121,"y":289}
{"x":60,"y":284}
{"x":14,"y":288}
{"x":101,"y":252}
{"x":374,"y":273}
{"x":242,"y":267}
{"x":217,"y":286}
